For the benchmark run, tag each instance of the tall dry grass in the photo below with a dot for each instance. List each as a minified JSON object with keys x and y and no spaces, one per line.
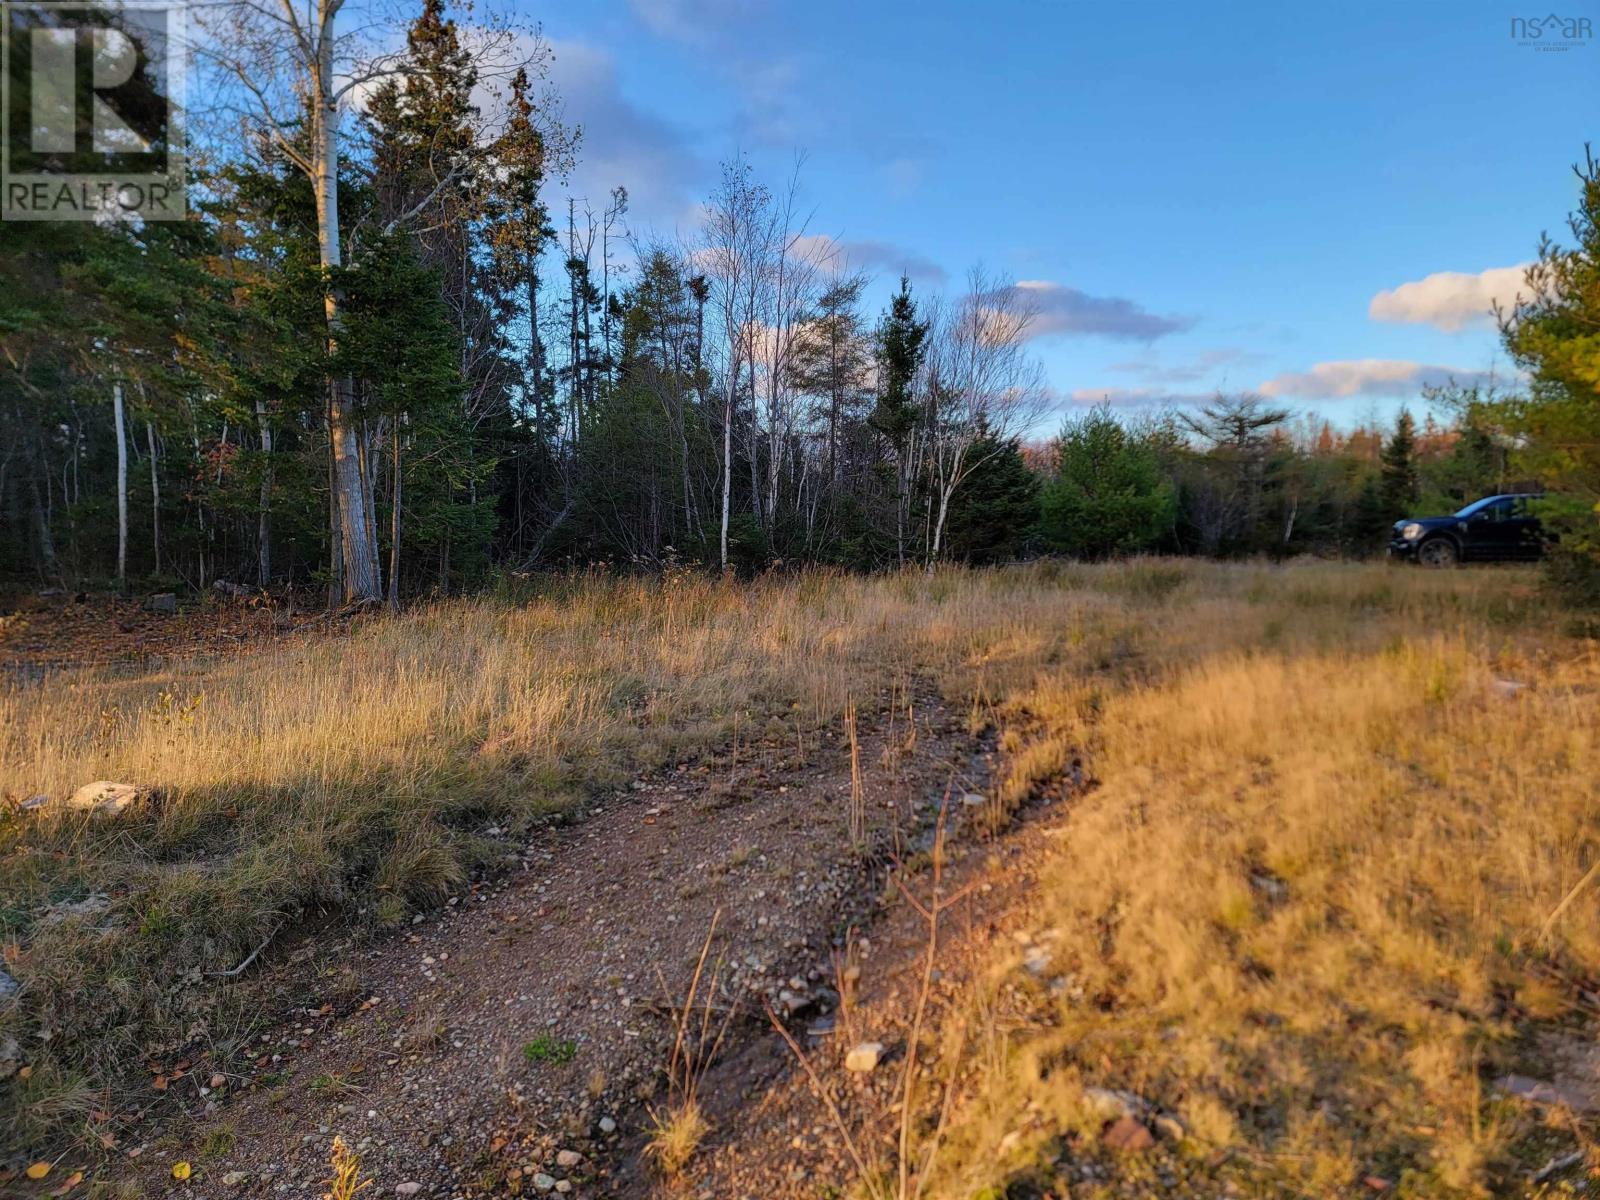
{"x":1308,"y":908}
{"x":363,"y":776}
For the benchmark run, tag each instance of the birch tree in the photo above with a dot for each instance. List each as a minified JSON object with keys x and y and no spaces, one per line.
{"x":292,"y":74}
{"x":734,"y":253}
{"x":982,"y":384}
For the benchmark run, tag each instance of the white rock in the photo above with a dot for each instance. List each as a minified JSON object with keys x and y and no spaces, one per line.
{"x":544,"y":1182}
{"x":607,"y":1125}
{"x":104,"y":798}
{"x":407,"y":1189}
{"x":568,"y":1158}
{"x":863,"y":1057}
{"x":235,"y":1178}
{"x":973,"y":799}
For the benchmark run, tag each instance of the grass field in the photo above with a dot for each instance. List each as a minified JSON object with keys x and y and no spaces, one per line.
{"x":1308,"y":907}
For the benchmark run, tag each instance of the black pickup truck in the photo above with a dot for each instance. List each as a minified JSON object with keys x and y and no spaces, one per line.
{"x":1494,"y":529}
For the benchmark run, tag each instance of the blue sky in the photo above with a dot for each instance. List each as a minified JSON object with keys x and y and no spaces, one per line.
{"x":1206,"y":196}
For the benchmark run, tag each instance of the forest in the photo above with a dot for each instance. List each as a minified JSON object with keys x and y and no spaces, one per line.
{"x":425,"y":367}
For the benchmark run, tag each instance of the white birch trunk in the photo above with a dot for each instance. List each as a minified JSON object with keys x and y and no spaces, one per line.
{"x":122,"y":484}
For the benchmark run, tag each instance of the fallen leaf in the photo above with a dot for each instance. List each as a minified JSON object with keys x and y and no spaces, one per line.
{"x":24,"y":1072}
{"x":181,"y":1170}
{"x":71,"y":1182}
{"x":39,"y":1170}
{"x":159,"y":1083}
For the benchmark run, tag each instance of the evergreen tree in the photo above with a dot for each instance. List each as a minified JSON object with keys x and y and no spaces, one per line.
{"x":995,"y":513}
{"x":1398,"y":467}
{"x":1554,"y":334}
{"x":1108,"y":495}
{"x":902,"y":338}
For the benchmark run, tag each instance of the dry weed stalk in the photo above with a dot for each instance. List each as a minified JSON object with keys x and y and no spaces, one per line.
{"x":677,"y":1130}
{"x":858,"y":794}
{"x":346,"y":1179}
{"x":908,"y":1185}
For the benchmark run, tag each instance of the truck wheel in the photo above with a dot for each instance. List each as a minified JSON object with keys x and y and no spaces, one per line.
{"x":1438,"y":552}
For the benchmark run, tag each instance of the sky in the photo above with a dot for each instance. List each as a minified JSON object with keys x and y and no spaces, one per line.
{"x":1316,"y":204}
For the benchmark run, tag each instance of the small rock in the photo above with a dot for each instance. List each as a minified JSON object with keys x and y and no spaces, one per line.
{"x":235,"y":1178}
{"x":1169,"y":1127}
{"x":1540,"y":1091}
{"x":8,"y":987}
{"x":568,"y":1158}
{"x":1127,"y":1134}
{"x":1507,"y":689}
{"x":544,"y":1182}
{"x":34,"y":802}
{"x":1112,"y":1103}
{"x":607,"y":1125}
{"x":162,"y":602}
{"x":410,"y":1188}
{"x":91,"y":905}
{"x":104,"y":798}
{"x":563,"y":1186}
{"x":863,"y":1057}
{"x":973,"y":800}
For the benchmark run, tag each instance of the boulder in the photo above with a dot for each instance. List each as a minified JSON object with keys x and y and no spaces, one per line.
{"x":104,"y":798}
{"x":162,"y":602}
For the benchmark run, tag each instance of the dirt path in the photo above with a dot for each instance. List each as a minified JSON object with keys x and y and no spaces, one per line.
{"x":512,"y":1044}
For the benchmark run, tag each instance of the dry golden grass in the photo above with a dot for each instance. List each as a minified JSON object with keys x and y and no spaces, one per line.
{"x":361,"y":774}
{"x":1307,"y":908}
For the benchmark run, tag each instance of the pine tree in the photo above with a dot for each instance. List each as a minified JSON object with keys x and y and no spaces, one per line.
{"x":1552,"y":335}
{"x":1399,"y":483}
{"x":901,"y":341}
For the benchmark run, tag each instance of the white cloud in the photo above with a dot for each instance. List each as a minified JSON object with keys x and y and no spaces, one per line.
{"x":1449,"y":300}
{"x":1058,"y":309}
{"x":1348,"y":378}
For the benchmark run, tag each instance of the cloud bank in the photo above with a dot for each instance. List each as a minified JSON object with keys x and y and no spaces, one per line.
{"x":1064,"y":310}
{"x":1348,"y":378}
{"x":1449,"y":300}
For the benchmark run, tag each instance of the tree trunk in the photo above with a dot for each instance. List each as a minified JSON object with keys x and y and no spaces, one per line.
{"x":394,"y":529}
{"x":264,"y":501}
{"x":727,"y":459}
{"x":155,"y":498}
{"x":938,"y":527}
{"x":359,"y":574}
{"x":120,"y":419}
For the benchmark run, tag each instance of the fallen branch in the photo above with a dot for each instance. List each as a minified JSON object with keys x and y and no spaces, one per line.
{"x":1556,"y":1165}
{"x":1550,"y":921}
{"x":242,"y":967}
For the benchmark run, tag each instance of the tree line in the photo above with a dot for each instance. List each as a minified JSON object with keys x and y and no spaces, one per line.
{"x":380,"y":360}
